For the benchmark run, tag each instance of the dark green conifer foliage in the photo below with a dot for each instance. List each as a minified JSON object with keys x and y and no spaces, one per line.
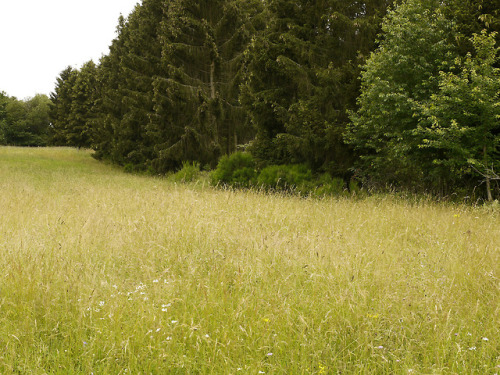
{"x":79,"y":129}
{"x":125,"y":102}
{"x":62,"y":98}
{"x":73,"y":106}
{"x":197,"y":114}
{"x":302,"y":78}
{"x":108,"y":102}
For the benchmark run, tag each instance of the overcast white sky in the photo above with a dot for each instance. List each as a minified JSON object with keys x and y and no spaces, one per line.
{"x":40,"y":38}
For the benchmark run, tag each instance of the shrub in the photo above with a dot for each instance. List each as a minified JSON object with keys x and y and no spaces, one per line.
{"x":188,"y":173}
{"x":328,"y":185}
{"x":296,"y":177}
{"x":236,"y":170}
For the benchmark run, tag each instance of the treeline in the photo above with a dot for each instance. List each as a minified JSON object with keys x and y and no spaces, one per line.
{"x":24,"y":122}
{"x":401,"y":94}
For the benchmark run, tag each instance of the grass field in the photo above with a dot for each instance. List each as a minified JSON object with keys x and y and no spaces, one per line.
{"x":109,"y":273}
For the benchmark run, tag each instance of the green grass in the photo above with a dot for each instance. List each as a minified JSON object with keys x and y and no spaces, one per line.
{"x":110,"y":273}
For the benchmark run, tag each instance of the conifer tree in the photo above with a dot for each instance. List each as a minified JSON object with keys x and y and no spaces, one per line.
{"x":197,"y":114}
{"x":302,"y":78}
{"x":125,"y":102}
{"x":108,"y":103}
{"x":73,"y":106}
{"x":79,"y":128}
{"x":62,"y":98}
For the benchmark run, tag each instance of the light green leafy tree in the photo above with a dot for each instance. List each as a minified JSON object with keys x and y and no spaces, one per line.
{"x":398,"y":78}
{"x":462,"y":120}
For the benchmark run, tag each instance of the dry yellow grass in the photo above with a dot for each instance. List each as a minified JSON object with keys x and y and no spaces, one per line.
{"x":111,"y":273}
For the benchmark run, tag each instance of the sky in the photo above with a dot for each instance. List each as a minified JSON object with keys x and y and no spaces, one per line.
{"x":40,"y":38}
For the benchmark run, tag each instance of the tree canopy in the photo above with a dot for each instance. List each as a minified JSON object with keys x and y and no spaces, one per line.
{"x":24,"y":122}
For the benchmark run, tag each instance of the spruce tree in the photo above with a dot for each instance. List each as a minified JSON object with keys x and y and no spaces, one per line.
{"x":197,"y":114}
{"x":62,"y":99}
{"x":301,"y":79}
{"x":79,"y":128}
{"x":125,"y":102}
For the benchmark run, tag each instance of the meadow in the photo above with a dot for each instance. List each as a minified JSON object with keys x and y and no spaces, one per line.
{"x":103,"y":272}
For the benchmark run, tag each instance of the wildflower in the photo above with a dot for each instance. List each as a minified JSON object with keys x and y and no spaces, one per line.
{"x":265,"y":320}
{"x":169,"y":338}
{"x":380,"y":347}
{"x":485,"y":339}
{"x":156,"y":281}
{"x":158,"y":330}
{"x":174,"y":321}
{"x":261,"y":372}
{"x":269,"y":354}
{"x":101,"y":303}
{"x":207,"y":336}
{"x":472,"y":348}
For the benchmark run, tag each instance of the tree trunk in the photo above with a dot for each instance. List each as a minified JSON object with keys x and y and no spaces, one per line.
{"x":212,"y":79}
{"x":488,"y":189}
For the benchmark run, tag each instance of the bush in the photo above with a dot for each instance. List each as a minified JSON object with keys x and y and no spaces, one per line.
{"x":296,"y":177}
{"x":188,"y":173}
{"x":235,"y":170}
{"x":328,"y":185}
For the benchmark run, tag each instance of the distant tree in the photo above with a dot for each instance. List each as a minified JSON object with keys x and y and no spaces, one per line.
{"x":37,"y":120}
{"x":462,"y":120}
{"x":4,"y":99}
{"x":24,"y":123}
{"x":397,"y":80}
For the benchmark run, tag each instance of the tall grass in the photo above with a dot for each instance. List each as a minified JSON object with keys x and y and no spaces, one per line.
{"x":109,"y":273}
